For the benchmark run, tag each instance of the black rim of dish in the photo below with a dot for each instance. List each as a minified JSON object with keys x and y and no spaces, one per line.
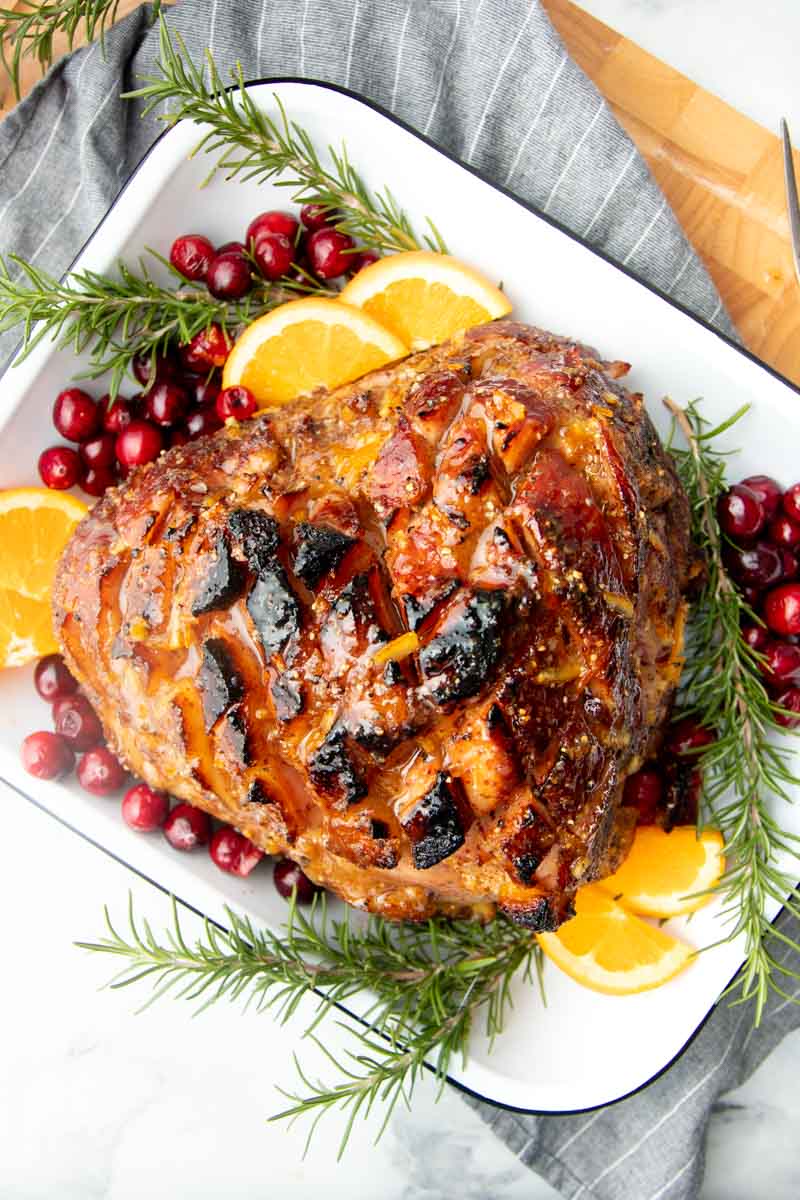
{"x":272,"y":81}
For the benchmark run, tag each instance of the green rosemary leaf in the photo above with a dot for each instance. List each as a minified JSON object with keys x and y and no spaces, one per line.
{"x":751,"y":762}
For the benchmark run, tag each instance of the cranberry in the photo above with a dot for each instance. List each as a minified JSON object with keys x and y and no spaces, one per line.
{"x":178,"y":437}
{"x":75,"y":415}
{"x":756,"y":637}
{"x":782,"y":663}
{"x":233,"y":248}
{"x":739,"y":512}
{"x":688,"y":735}
{"x":365,"y":259}
{"x":229,"y":276}
{"x":191,"y":255}
{"x":273,"y":254}
{"x":789,"y":564}
{"x":202,"y":390}
{"x":783,"y":531}
{"x":790,"y":699}
{"x":236,"y":402}
{"x":98,"y":480}
{"x":53,"y":678}
{"x":60,"y":467}
{"x":272,"y":222}
{"x":78,"y":723}
{"x":118,"y":416}
{"x":147,"y":370}
{"x":46,"y":755}
{"x":140,"y":443}
{"x":187,"y":827}
{"x":99,"y":451}
{"x":328,"y":253}
{"x":143,"y":809}
{"x":768,"y":492}
{"x":756,"y":566}
{"x":644,"y":790}
{"x":287,"y":877}
{"x":99,"y":772}
{"x":315,"y":216}
{"x":202,"y":421}
{"x":233,"y":852}
{"x":208,"y":348}
{"x":751,"y":596}
{"x":782,"y":609}
{"x":165,"y":403}
{"x":791,"y":502}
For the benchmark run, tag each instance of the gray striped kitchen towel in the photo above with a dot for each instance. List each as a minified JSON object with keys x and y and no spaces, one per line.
{"x":490,"y":81}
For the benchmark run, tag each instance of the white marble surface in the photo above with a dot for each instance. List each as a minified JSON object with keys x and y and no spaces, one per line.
{"x":99,"y":1104}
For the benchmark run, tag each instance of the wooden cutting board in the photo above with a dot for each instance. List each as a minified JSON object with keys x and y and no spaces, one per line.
{"x":721,"y":172}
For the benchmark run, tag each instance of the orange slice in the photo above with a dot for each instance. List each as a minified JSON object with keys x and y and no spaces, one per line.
{"x":305,"y":345}
{"x":606,"y":948}
{"x":664,"y":871}
{"x":425,"y":298}
{"x":35,"y":525}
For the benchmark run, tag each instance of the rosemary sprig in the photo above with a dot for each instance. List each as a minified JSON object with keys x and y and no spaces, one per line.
{"x":252,"y":145}
{"x":748,"y":763}
{"x":121,"y":318}
{"x":429,"y":983}
{"x":29,"y":29}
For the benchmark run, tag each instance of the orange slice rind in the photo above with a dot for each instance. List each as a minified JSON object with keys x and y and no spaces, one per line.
{"x":425,"y":298}
{"x":666,"y":874}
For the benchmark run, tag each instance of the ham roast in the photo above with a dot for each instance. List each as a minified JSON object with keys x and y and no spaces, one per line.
{"x":413,"y":633}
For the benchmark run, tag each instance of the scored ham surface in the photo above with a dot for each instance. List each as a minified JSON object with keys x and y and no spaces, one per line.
{"x":502,"y":504}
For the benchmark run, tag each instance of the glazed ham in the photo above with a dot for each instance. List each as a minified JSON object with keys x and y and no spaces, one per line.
{"x":413,"y":633}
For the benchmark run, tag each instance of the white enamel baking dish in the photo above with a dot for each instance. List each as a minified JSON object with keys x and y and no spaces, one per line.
{"x":582,"y":1049}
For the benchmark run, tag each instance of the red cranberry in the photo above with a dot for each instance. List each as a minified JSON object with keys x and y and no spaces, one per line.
{"x":791,"y":502}
{"x":118,"y":416}
{"x":191,"y":255}
{"x":782,"y":609}
{"x":165,"y":403}
{"x":143,"y":809}
{"x":187,"y":827}
{"x":272,"y":222}
{"x":98,"y":480}
{"x":790,"y":565}
{"x":75,"y":415}
{"x":202,"y":421}
{"x":208,"y":348}
{"x":687,"y":736}
{"x":755,"y":566}
{"x":139,"y":443}
{"x":273,"y":254}
{"x":147,"y":371}
{"x":644,"y":790}
{"x":233,"y":852}
{"x":782,"y":663}
{"x":233,"y":248}
{"x":751,"y":596}
{"x":328,"y":253}
{"x":236,"y":402}
{"x":178,"y":437}
{"x":315,"y":216}
{"x":287,"y":876}
{"x":78,"y":723}
{"x":60,"y":468}
{"x":756,"y":637}
{"x":365,"y":259}
{"x":790,"y":699}
{"x":99,"y":772}
{"x":783,"y":531}
{"x":202,"y":390}
{"x":768,"y":492}
{"x":229,"y":277}
{"x":99,"y":451}
{"x":739,"y":513}
{"x":53,"y":678}
{"x":46,"y":755}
